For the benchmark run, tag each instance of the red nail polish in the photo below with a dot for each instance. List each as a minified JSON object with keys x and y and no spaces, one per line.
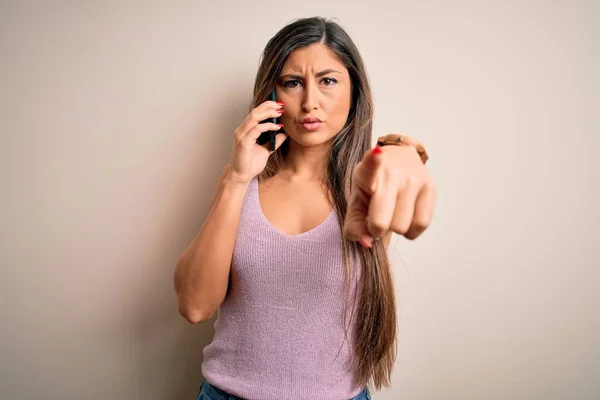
{"x":377,"y":150}
{"x":280,"y":103}
{"x":280,"y":125}
{"x":366,"y":241}
{"x":281,"y":110}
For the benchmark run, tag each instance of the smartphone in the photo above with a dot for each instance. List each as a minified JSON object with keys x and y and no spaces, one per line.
{"x":269,"y":136}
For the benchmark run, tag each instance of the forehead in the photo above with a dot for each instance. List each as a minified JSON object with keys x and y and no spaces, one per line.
{"x":316,"y":57}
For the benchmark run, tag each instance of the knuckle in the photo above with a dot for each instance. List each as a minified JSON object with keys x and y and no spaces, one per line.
{"x":420,"y":225}
{"x":238,"y":141}
{"x":414,"y":232}
{"x":400,"y":228}
{"x":412,"y":180}
{"x":370,"y":188}
{"x":243,"y":147}
{"x":379,"y":224}
{"x":407,"y":180}
{"x":395,"y":174}
{"x":410,"y":235}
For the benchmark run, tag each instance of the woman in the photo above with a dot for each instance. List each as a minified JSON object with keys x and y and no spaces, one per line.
{"x":289,"y":253}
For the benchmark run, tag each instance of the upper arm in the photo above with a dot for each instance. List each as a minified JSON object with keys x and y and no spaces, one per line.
{"x":186,"y":254}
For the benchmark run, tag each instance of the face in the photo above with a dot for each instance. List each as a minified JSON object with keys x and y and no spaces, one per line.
{"x":314,"y":85}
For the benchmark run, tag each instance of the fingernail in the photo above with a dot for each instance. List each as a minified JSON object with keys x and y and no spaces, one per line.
{"x":280,"y":103}
{"x":281,"y":110}
{"x":377,"y":150}
{"x":281,"y":125}
{"x":366,"y":241}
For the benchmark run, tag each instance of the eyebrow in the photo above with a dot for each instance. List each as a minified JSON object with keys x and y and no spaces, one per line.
{"x":318,"y":74}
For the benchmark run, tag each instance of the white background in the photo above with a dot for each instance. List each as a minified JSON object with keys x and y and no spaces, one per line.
{"x":117,"y":117}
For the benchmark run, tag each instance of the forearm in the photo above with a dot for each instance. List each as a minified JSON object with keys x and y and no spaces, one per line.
{"x":202,"y":272}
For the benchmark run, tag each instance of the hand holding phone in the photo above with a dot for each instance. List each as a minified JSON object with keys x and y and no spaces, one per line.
{"x":270,"y":136}
{"x":249,"y":155}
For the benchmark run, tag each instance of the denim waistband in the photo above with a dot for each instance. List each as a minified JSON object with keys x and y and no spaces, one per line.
{"x":214,"y":393}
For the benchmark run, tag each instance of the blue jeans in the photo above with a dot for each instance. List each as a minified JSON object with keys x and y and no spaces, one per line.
{"x":210,"y":392}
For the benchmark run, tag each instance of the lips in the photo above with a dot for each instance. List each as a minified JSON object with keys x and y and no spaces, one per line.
{"x":311,"y":123}
{"x":309,"y":119}
{"x":311,"y":126}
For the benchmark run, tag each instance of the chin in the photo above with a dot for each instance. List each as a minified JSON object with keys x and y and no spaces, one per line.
{"x":311,"y":138}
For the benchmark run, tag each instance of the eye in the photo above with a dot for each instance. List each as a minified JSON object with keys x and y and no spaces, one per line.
{"x":291,"y":84}
{"x":329,"y":81}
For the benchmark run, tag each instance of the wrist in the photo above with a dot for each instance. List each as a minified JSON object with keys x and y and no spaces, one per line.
{"x":234,"y":182}
{"x":395,"y":139}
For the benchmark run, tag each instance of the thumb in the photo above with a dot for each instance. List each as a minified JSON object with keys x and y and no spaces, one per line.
{"x":355,"y":224}
{"x":355,"y":230}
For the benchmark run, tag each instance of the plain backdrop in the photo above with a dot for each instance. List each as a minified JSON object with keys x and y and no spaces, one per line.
{"x":117,"y":117}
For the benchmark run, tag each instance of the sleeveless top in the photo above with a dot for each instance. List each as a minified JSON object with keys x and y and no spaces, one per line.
{"x":279,"y":333}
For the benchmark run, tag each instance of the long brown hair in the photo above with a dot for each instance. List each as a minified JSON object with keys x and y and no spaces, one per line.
{"x":375,"y":323}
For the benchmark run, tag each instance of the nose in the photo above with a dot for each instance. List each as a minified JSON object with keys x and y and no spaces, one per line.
{"x":311,"y":97}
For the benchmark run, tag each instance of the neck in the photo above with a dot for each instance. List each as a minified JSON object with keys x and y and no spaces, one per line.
{"x":303,"y":164}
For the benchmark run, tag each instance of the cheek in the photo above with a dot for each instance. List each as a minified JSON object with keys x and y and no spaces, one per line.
{"x":341,"y":106}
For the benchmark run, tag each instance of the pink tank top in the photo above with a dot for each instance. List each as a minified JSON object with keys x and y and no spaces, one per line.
{"x":279,"y":333}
